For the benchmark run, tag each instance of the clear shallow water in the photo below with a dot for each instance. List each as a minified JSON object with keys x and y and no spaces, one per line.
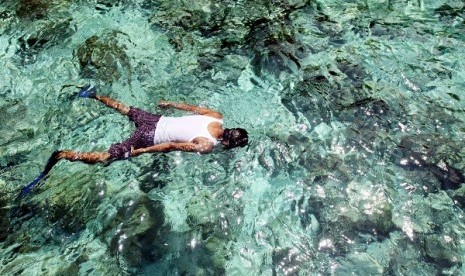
{"x":355,"y":111}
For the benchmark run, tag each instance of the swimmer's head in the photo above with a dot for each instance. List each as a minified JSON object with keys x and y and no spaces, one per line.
{"x":234,"y":137}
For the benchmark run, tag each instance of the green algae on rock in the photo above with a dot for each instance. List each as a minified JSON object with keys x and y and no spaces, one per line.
{"x":104,"y":58}
{"x":32,"y":9}
{"x":39,"y":9}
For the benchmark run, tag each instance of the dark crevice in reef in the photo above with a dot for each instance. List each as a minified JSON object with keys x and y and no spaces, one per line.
{"x":32,"y":9}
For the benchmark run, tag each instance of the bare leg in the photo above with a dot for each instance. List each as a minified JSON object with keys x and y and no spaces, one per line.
{"x":89,"y":91}
{"x":86,"y":157}
{"x":113,"y":104}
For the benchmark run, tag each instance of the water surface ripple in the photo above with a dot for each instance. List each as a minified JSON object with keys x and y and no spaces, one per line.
{"x":355,"y":111}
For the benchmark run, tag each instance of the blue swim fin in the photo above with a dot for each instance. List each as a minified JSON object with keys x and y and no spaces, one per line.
{"x":87,"y":91}
{"x":50,"y":163}
{"x":27,"y":189}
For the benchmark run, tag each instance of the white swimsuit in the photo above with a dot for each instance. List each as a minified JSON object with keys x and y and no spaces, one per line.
{"x":183,"y":129}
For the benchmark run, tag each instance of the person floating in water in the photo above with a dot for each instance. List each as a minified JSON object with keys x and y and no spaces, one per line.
{"x":155,"y":133}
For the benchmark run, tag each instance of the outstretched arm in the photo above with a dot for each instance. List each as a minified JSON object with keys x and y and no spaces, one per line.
{"x":192,"y":108}
{"x":200,"y":145}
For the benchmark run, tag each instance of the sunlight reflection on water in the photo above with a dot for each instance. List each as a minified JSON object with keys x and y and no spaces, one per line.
{"x":355,"y":160}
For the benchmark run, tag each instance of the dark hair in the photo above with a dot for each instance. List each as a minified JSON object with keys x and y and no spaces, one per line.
{"x":235,"y":137}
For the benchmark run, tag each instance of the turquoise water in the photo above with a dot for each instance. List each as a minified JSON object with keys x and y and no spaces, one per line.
{"x":355,"y":111}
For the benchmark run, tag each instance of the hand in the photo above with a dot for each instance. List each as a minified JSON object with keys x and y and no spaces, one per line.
{"x":135,"y":152}
{"x":164,"y":104}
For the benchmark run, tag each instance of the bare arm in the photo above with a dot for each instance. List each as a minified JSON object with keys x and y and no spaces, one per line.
{"x":192,"y":108}
{"x":200,"y":145}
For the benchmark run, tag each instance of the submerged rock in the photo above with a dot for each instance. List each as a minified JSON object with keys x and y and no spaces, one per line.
{"x":71,"y":204}
{"x":442,"y":250}
{"x":157,"y":174}
{"x":275,"y":48}
{"x":42,"y":36}
{"x":450,"y":12}
{"x":287,"y":261}
{"x":32,"y":9}
{"x":433,"y":154}
{"x":212,"y":26}
{"x":41,"y":25}
{"x":372,"y":205}
{"x":211,"y":225}
{"x":140,"y":232}
{"x":104,"y":58}
{"x":335,"y":91}
{"x":420,"y":216}
{"x":396,"y":255}
{"x":40,"y":9}
{"x":4,"y":212}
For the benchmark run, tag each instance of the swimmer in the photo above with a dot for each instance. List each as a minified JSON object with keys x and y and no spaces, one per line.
{"x":199,"y":132}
